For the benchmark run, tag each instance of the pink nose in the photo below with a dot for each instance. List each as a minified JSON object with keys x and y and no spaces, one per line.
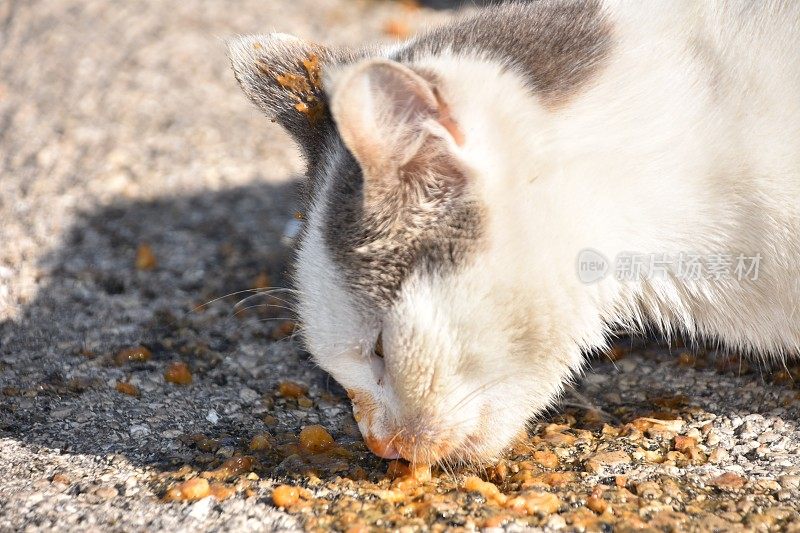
{"x":382,"y":447}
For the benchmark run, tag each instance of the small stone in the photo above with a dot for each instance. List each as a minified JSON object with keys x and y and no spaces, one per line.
{"x":200,"y":509}
{"x":683,"y":443}
{"x":248,"y":395}
{"x":207,"y":445}
{"x":193,"y":489}
{"x":597,"y":504}
{"x":729,"y":481}
{"x":717,"y":456}
{"x":789,"y":482}
{"x":601,"y":463}
{"x":556,"y":522}
{"x":546,"y":458}
{"x":106,"y":492}
{"x":139,"y":430}
{"x":61,"y":479}
{"x":127,"y":388}
{"x":542,"y":503}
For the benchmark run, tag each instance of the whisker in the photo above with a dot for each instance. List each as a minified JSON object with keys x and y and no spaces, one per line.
{"x":263,"y":294}
{"x":221,"y":298}
{"x":266,"y":306}
{"x":256,"y":290}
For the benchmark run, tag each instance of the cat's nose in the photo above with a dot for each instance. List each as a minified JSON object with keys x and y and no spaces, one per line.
{"x":423,"y":447}
{"x":382,"y":447}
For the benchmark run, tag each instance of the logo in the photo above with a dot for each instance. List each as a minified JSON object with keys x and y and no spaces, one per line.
{"x":592,"y":266}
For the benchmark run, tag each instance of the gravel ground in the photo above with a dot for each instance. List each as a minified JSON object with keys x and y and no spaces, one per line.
{"x":138,"y":184}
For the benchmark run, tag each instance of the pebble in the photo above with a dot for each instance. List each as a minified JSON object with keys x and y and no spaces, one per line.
{"x":200,"y":509}
{"x":718,"y":455}
{"x":139,"y":430}
{"x":728,"y":481}
{"x":601,"y":463}
{"x":107,"y":492}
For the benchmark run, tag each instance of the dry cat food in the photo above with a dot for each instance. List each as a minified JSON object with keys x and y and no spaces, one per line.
{"x":198,"y":488}
{"x":396,"y":28}
{"x":193,"y":489}
{"x":303,"y":88}
{"x":231,"y":468}
{"x":261,"y":443}
{"x":136,"y":354}
{"x":127,"y":388}
{"x":584,"y":470}
{"x":316,"y":439}
{"x":145,"y":257}
{"x":288,"y":496}
{"x":178,"y":373}
{"x":290,"y":389}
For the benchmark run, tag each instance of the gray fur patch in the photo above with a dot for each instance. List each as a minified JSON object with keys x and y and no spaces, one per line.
{"x":377,"y":247}
{"x":556,"y":44}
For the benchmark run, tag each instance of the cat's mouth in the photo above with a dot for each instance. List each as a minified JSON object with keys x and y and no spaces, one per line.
{"x":421,"y":439}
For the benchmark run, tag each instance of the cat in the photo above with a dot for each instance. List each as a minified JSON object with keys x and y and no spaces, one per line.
{"x":490,"y":198}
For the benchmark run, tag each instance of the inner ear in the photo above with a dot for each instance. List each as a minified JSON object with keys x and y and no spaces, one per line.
{"x":392,"y":118}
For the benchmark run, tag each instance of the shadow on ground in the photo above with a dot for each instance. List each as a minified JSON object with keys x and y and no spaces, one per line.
{"x":58,"y":367}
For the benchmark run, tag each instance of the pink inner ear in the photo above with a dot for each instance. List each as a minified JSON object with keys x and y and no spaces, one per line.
{"x":447,"y":120}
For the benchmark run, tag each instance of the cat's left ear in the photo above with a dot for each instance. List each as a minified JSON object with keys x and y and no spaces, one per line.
{"x":281,"y":74}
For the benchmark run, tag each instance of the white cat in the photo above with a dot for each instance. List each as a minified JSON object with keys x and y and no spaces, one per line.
{"x":489,"y":198}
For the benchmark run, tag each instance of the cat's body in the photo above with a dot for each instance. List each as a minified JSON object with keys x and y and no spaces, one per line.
{"x":461,"y":177}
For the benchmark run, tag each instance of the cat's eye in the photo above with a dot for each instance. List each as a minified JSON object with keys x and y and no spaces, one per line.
{"x":378,"y":350}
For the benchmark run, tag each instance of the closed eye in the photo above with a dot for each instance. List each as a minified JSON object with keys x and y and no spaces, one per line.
{"x":377,"y":363}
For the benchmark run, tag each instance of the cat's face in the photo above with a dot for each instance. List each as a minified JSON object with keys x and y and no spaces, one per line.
{"x":400,"y":271}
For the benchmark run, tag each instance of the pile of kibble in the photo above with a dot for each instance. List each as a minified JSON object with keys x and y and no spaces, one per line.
{"x":570,"y":471}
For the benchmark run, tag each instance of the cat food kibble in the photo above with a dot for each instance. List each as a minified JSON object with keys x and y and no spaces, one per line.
{"x":316,"y":439}
{"x":221,"y":491}
{"x":137,"y":354}
{"x":290,"y":389}
{"x":231,"y":468}
{"x":178,"y":373}
{"x":194,"y":489}
{"x":261,"y":443}
{"x":145,"y":258}
{"x":127,"y":388}
{"x":285,"y":496}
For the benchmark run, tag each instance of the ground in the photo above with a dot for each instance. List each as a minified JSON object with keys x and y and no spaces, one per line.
{"x":138,"y":185}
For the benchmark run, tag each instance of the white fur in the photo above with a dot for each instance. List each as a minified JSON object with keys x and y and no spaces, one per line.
{"x":667,"y":151}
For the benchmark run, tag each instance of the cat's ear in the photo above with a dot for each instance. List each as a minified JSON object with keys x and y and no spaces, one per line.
{"x":395,"y":122}
{"x":281,"y":74}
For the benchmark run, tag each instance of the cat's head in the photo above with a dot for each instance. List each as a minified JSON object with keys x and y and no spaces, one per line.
{"x":405,"y":294}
